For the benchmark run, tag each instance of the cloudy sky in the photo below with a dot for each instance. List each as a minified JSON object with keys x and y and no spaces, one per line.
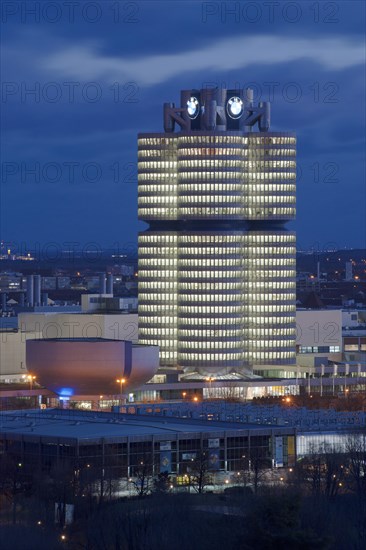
{"x":81,"y":79}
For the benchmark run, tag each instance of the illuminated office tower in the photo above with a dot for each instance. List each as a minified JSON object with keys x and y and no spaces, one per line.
{"x":217,"y":265}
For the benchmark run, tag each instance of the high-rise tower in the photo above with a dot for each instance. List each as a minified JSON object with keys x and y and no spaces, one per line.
{"x":217,"y":265}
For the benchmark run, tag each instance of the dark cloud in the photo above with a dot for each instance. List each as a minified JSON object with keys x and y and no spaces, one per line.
{"x":69,"y":148}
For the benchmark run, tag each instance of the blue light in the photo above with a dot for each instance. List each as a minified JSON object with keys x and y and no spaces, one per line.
{"x":65,"y":392}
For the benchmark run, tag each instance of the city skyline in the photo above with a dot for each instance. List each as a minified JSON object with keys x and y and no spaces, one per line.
{"x":69,"y":147}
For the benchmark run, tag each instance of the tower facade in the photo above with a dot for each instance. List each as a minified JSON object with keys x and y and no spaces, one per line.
{"x":217,"y":275}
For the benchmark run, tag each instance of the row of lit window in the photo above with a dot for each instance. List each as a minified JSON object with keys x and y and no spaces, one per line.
{"x":258,"y":213}
{"x":259,"y":153}
{"x":157,"y":176}
{"x":158,"y":237}
{"x":166,"y":285}
{"x":252,"y":201}
{"x":216,"y":251}
{"x":201,"y":187}
{"x":210,"y":356}
{"x":209,"y":199}
{"x":196,"y":250}
{"x":209,"y":298}
{"x":213,"y":275}
{"x":254,"y":261}
{"x":157,"y":153}
{"x":319,"y":349}
{"x":272,"y":355}
{"x":210,"y":309}
{"x":256,"y":176}
{"x":250,"y":237}
{"x":288,"y":285}
{"x":226,"y":163}
{"x":158,"y":331}
{"x":250,"y":212}
{"x":157,"y":200}
{"x":169,"y":356}
{"x":149,"y":297}
{"x":236,"y":176}
{"x":155,"y":308}
{"x":183,"y":153}
{"x":155,"y":320}
{"x":281,"y":140}
{"x":211,"y":163}
{"x":213,"y":139}
{"x":158,"y":188}
{"x":239,"y":176}
{"x":158,"y":251}
{"x":210,"y":333}
{"x":253,"y":298}
{"x":214,"y":345}
{"x":250,"y":139}
{"x":254,"y":345}
{"x":229,"y":262}
{"x":156,"y":140}
{"x":258,"y":321}
{"x":221,"y":321}
{"x":157,"y":164}
{"x":269,"y":212}
{"x":232,"y":286}
{"x":165,"y":262}
{"x":270,"y":187}
{"x":149,"y":277}
{"x":270,"y":331}
{"x":269,"y":164}
{"x":147,"y":213}
{"x":210,"y":151}
{"x":278,"y":308}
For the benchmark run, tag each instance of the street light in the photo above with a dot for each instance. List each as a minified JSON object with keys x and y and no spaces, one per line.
{"x":30,"y":379}
{"x":121,"y":381}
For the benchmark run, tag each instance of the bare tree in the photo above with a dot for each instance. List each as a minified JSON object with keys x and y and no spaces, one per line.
{"x":323,"y":471}
{"x":142,"y":480}
{"x":356,"y":462}
{"x":199,"y":475}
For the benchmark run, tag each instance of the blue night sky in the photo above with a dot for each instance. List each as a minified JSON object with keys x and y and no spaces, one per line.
{"x":102,"y":70}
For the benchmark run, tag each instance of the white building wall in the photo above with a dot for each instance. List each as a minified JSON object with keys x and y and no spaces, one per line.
{"x":319,"y":328}
{"x":12,"y":355}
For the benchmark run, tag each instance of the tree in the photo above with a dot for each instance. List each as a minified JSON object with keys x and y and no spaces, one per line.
{"x":322,"y":471}
{"x":356,"y":462}
{"x":162,"y":483}
{"x":15,"y":481}
{"x":258,"y":466}
{"x":199,"y":475}
{"x":274,"y":523}
{"x":143,"y":481}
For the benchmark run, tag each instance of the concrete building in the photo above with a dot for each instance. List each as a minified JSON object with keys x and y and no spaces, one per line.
{"x":119,"y":443}
{"x":217,"y":265}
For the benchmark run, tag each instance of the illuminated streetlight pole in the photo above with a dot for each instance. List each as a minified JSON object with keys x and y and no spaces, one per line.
{"x":30,"y":379}
{"x":121,"y":381}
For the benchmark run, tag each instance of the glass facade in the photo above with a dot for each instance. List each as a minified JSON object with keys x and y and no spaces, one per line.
{"x":217,"y":266}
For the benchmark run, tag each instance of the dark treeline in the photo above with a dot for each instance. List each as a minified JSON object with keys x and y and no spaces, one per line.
{"x":319,"y":503}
